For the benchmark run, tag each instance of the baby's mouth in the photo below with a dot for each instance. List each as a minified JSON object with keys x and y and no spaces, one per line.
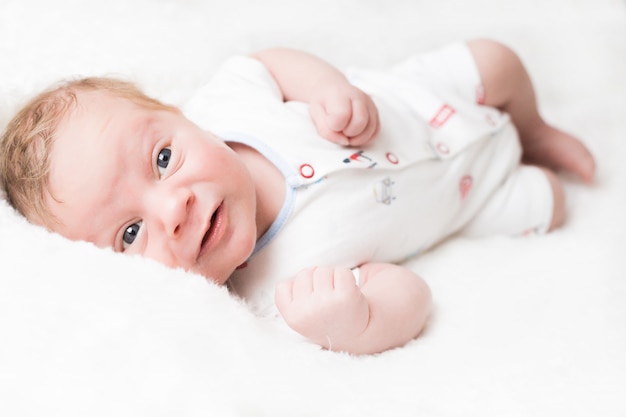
{"x":214,"y":223}
{"x":206,"y":235}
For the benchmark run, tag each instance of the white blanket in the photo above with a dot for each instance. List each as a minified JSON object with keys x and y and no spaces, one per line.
{"x":521,"y":327}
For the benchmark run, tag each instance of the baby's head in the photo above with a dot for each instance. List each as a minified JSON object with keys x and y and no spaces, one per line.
{"x":97,"y":160}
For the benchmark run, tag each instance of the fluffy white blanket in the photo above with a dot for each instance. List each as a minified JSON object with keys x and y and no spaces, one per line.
{"x":521,"y":327}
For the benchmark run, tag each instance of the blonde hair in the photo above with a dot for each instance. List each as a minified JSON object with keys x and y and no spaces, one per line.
{"x":28,"y":139}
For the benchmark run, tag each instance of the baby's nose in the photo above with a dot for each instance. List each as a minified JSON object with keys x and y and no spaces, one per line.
{"x":173,"y":208}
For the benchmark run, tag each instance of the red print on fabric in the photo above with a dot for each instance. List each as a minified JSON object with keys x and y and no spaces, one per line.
{"x":465,"y":185}
{"x":442,"y":116}
{"x":391,"y":157}
{"x":480,"y":94}
{"x":359,"y":156}
{"x":307,"y":171}
{"x":442,"y":148}
{"x":491,"y":121}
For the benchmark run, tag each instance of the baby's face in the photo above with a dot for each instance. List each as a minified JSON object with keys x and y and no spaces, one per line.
{"x":151,"y":182}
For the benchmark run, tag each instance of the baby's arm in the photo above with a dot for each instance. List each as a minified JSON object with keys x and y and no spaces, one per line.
{"x":342,"y":113}
{"x":324,"y":304}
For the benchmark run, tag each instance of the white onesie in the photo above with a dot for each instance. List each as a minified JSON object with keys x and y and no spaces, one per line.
{"x":443,"y":163}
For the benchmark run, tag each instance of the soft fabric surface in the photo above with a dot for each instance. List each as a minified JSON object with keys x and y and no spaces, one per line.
{"x":521,"y":327}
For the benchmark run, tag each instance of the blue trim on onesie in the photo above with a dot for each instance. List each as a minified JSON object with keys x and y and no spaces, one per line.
{"x":284,"y":168}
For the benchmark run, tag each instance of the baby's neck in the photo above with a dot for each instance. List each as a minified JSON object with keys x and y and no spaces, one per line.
{"x":269,"y":184}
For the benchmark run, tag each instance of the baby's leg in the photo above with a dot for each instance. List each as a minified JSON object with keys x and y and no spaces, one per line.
{"x":508,"y":87}
{"x":531,"y":200}
{"x":558,"y":208}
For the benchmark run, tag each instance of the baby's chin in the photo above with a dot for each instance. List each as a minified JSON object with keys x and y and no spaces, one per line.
{"x":219,"y":278}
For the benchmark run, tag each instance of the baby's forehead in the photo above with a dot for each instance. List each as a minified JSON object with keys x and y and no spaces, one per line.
{"x":96,"y":117}
{"x":98,"y":96}
{"x":90,"y":104}
{"x":99,"y":104}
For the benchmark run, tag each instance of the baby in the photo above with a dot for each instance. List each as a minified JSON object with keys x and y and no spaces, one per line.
{"x":241,"y":187}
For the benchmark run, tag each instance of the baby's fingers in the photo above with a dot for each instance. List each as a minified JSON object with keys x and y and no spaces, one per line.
{"x":358,"y":120}
{"x":343,"y":280}
{"x":283,"y":294}
{"x":338,"y":114}
{"x":366,"y":123}
{"x":329,"y":126}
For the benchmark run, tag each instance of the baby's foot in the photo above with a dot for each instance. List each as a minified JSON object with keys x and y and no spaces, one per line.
{"x":558,"y":151}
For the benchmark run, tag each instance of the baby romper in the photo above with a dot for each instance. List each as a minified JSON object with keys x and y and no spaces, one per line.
{"x":443,"y":163}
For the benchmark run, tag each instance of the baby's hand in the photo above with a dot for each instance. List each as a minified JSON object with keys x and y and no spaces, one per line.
{"x":344,"y":114}
{"x":324,"y":305}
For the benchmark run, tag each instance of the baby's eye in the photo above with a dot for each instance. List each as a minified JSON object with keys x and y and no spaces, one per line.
{"x":130,"y":234}
{"x":163,"y":159}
